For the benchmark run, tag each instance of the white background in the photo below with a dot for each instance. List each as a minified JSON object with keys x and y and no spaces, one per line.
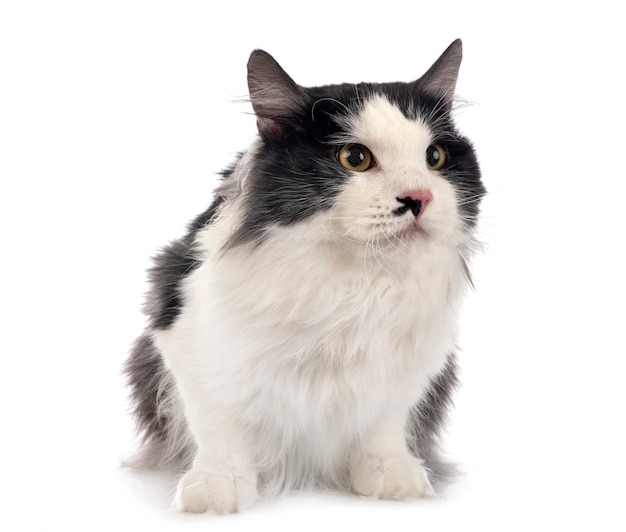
{"x":115,"y":118}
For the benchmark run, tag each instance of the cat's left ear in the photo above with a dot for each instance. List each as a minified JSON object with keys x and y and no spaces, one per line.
{"x":440,"y":79}
{"x":276,"y":98}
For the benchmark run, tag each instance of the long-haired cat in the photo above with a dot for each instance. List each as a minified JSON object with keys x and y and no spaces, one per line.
{"x":302,"y":333}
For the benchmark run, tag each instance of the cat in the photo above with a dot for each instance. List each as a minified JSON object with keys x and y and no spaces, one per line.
{"x":302,"y":333}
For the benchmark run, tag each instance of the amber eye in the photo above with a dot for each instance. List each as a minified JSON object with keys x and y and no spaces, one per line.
{"x":355,"y":157}
{"x":435,"y":157}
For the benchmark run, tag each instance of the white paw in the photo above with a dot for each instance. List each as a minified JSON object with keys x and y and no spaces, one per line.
{"x":397,"y":477}
{"x":223,"y":493}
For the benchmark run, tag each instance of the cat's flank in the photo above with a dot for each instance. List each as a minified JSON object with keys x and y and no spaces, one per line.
{"x":302,"y":333}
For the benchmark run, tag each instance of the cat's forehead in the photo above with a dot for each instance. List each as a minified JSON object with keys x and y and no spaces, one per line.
{"x":353,"y":97}
{"x":379,"y":120}
{"x":386,"y":128}
{"x":380,"y":112}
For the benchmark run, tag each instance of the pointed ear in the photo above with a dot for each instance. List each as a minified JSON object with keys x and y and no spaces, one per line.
{"x":276,"y":98}
{"x":440,"y":79}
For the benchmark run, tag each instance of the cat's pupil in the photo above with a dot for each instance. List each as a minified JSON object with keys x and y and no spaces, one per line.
{"x":433,"y":156}
{"x":355,"y":156}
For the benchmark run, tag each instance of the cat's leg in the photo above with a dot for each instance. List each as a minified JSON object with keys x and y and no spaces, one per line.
{"x":381,"y":466}
{"x":221,"y":479}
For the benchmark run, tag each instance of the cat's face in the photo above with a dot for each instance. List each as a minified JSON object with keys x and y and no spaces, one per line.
{"x":379,"y":163}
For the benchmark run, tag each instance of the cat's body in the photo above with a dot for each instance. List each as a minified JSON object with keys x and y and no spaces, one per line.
{"x":303,"y":332}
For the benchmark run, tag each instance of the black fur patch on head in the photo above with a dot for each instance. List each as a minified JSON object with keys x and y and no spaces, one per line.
{"x":293,"y":180}
{"x":464,"y":173}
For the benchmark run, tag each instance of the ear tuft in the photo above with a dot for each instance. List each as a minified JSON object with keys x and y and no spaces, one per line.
{"x":276,"y":98}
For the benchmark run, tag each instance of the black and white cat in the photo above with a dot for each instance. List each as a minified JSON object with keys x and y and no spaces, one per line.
{"x":303,"y":332}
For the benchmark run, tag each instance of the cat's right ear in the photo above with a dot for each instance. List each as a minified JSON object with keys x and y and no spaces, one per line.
{"x":276,"y":98}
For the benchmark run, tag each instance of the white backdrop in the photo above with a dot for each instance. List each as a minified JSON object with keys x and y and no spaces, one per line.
{"x":115,"y":118}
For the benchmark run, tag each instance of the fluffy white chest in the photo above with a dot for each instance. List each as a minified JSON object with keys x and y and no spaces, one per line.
{"x":301,"y":341}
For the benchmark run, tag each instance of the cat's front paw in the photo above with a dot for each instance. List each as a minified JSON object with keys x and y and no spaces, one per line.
{"x":215,"y":493}
{"x":397,"y":477}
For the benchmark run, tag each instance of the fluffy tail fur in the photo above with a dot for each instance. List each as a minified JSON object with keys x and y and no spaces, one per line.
{"x":165,"y":442}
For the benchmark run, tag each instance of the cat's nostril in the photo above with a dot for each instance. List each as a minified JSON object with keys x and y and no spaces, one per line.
{"x":409,"y":203}
{"x":415,"y":201}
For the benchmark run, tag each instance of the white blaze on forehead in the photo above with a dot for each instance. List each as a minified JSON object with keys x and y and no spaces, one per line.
{"x":393,"y":139}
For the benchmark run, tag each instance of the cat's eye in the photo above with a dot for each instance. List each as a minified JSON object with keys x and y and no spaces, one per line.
{"x":355,"y":157}
{"x":435,"y":157}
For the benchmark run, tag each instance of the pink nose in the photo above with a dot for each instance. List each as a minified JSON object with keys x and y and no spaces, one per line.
{"x":415,"y":200}
{"x":423,"y":196}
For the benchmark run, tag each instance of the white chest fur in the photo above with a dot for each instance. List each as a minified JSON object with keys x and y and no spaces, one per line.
{"x":303,"y":344}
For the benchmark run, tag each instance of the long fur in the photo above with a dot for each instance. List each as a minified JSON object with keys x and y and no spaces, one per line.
{"x":302,"y":314}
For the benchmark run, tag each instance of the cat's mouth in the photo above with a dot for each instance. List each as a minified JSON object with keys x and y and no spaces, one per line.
{"x":412,"y":230}
{"x":405,"y":233}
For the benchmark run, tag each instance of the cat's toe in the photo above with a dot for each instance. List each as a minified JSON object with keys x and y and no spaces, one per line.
{"x":393,"y":477}
{"x":201,"y":491}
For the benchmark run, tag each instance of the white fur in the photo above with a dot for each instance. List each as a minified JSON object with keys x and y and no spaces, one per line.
{"x":297,"y":360}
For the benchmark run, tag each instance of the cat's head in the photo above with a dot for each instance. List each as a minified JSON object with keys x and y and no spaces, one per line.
{"x":377,"y":163}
